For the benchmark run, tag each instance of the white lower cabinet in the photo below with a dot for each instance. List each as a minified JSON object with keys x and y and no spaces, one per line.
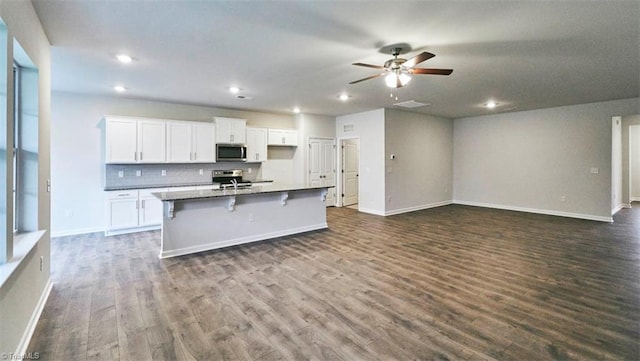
{"x":133,"y":210}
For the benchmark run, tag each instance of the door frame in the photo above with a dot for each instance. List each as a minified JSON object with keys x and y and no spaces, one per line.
{"x":339,"y":182}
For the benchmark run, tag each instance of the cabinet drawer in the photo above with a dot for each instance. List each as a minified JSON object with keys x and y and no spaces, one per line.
{"x":122,"y":194}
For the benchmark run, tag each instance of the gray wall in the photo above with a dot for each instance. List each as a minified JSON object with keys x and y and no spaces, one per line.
{"x":529,"y":160}
{"x":421,"y":175}
{"x":20,"y":295}
{"x":77,"y":158}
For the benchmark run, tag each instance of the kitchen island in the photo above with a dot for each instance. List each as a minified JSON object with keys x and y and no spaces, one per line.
{"x":201,"y":220}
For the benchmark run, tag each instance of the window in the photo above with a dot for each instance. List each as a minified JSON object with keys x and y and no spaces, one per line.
{"x":18,"y":149}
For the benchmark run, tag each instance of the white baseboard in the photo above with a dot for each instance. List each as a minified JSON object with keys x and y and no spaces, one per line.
{"x":619,"y":207}
{"x":634,"y":199}
{"x":589,"y":217}
{"x":33,"y":321}
{"x":371,"y":211}
{"x":73,"y":232}
{"x":417,"y":208}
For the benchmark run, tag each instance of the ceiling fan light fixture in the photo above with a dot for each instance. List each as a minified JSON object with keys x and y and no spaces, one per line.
{"x":397,"y":79}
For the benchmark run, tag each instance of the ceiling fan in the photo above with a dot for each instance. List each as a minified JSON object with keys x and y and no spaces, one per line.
{"x":398,"y":70}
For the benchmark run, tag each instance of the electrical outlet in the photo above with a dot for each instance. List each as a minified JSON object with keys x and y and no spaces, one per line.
{"x":163,"y":173}
{"x":120,"y":174}
{"x":138,"y":173}
{"x":249,"y":170}
{"x":595,"y":170}
{"x":41,"y":263}
{"x":201,"y":172}
{"x":563,"y":198}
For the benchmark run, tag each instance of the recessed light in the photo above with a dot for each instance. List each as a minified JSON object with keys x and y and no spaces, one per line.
{"x":124,"y":58}
{"x":296,"y":110}
{"x":119,"y":88}
{"x":344,"y":97}
{"x":234,"y":90}
{"x":491,"y":104}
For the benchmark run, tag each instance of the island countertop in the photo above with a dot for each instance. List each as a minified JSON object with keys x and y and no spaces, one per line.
{"x":216,"y":193}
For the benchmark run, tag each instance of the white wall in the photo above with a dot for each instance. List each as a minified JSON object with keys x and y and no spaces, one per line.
{"x":369,"y":128}
{"x":77,"y":159}
{"x":20,"y":295}
{"x":421,"y":175}
{"x":529,"y":160}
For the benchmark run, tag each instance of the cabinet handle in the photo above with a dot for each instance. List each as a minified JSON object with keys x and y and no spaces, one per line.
{"x":142,"y":201}
{"x":195,"y":156}
{"x":231,"y":138}
{"x":141,"y":156}
{"x":256,"y":156}
{"x":283,"y":140}
{"x":137,"y":207}
{"x":135,"y":156}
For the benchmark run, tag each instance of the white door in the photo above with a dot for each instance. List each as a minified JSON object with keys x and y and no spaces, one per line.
{"x":315,"y":162}
{"x":322,"y":166}
{"x":328,"y":159}
{"x":350,"y":160}
{"x":204,"y":143}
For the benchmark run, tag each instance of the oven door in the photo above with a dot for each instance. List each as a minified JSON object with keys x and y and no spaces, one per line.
{"x":231,"y":153}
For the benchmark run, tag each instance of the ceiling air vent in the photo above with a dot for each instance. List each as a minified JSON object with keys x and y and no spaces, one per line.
{"x":411,"y":104}
{"x":347,"y":128}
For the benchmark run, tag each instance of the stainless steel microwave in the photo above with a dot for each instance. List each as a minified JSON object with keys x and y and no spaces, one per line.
{"x":231,"y":153}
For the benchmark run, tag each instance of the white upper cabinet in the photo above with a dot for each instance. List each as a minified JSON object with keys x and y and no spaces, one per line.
{"x":179,"y":148}
{"x":283,"y":137}
{"x":231,"y":130}
{"x":121,"y":140}
{"x":190,"y":142}
{"x":204,"y":142}
{"x":132,"y":140}
{"x":256,"y":144}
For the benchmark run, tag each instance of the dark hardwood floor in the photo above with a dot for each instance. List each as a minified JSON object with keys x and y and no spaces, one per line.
{"x":451,"y":283}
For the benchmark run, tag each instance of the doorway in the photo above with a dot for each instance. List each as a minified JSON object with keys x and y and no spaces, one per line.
{"x":350,"y":184}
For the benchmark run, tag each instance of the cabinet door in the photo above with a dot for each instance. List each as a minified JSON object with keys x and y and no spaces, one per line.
{"x":122,"y":213}
{"x":256,"y":144}
{"x":121,"y":141}
{"x":204,"y":148}
{"x":290,"y":137}
{"x":151,"y":141}
{"x":239,"y":131}
{"x":150,"y":211}
{"x":179,"y":142}
{"x":230,"y":130}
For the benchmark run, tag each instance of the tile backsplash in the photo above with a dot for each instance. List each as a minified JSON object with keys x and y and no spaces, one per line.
{"x":174,"y":174}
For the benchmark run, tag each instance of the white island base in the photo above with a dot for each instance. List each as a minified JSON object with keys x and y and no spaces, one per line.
{"x":220,"y":219}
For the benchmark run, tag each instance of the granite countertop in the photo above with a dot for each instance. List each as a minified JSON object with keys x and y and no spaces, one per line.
{"x":214,"y":193}
{"x":149,"y":186}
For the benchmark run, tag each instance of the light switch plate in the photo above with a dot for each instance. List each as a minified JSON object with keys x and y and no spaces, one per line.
{"x":138,"y":173}
{"x":164,"y":173}
{"x":595,"y":170}
{"x":120,"y":174}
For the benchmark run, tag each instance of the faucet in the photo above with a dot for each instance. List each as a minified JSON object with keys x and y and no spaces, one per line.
{"x":235,"y":184}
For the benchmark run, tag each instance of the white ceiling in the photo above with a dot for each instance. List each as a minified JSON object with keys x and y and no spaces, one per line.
{"x":522,"y":54}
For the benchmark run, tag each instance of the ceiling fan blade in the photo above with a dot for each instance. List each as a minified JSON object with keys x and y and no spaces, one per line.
{"x":430,"y":71}
{"x":369,"y":65}
{"x":367,"y":78}
{"x":418,"y":59}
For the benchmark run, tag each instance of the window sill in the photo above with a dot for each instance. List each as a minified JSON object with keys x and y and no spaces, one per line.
{"x":23,"y":243}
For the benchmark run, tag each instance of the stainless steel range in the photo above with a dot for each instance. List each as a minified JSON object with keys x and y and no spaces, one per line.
{"x":230,"y":179}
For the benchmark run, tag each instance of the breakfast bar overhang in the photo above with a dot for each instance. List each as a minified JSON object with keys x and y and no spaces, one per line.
{"x":202,"y":220}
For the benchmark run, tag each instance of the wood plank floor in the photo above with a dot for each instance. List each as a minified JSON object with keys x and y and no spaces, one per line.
{"x":452,"y":283}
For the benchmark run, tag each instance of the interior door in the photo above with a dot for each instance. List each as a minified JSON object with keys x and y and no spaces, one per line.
{"x":315,"y":162}
{"x":350,"y":160}
{"x":328,"y":160}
